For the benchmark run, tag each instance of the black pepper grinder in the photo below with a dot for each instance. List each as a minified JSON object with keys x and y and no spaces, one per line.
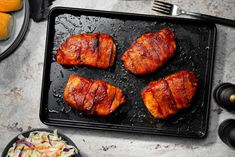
{"x":224,"y":96}
{"x":227,"y":132}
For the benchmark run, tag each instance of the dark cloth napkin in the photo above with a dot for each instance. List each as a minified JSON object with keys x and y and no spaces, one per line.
{"x":39,"y":9}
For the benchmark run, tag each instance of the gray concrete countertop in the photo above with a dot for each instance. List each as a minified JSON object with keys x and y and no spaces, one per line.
{"x":21,"y":76}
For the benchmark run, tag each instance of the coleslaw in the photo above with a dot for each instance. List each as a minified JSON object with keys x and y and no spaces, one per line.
{"x":41,"y":144}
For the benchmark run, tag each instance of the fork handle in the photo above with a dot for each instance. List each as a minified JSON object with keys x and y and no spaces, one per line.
{"x":213,"y":19}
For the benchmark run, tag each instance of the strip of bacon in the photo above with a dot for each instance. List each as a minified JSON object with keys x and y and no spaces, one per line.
{"x":149,"y":52}
{"x":166,"y":97}
{"x":95,"y":50}
{"x":94,"y":97}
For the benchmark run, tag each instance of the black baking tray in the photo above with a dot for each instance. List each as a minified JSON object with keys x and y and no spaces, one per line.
{"x":195,"y":51}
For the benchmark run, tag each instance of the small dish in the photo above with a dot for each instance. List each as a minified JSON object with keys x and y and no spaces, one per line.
{"x":26,"y":134}
{"x":21,"y":22}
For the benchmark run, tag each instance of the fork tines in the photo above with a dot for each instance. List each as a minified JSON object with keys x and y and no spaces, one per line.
{"x":162,"y":7}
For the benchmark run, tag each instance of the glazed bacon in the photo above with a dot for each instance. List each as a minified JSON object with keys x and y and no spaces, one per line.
{"x":94,"y":97}
{"x":166,"y":97}
{"x":95,"y":49}
{"x":149,"y":52}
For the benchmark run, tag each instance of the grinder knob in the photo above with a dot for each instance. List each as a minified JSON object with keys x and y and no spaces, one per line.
{"x":232,"y":98}
{"x":224,"y":96}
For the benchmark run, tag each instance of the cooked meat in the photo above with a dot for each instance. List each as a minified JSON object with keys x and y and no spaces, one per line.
{"x":96,"y":50}
{"x":167,"y":96}
{"x":149,"y":52}
{"x":94,"y":97}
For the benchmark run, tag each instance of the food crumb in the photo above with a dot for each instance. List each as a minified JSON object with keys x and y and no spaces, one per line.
{"x":14,"y":126}
{"x":20,"y":129}
{"x":157,"y":146}
{"x":218,"y":110}
{"x":106,"y":148}
{"x":29,"y":128}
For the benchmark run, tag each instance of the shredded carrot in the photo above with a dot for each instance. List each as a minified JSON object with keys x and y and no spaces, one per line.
{"x":37,"y":147}
{"x":58,"y":150}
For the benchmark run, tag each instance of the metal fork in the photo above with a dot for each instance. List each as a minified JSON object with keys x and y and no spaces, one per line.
{"x":172,"y":9}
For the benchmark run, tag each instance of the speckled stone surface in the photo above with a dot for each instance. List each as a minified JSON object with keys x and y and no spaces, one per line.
{"x":21,"y":76}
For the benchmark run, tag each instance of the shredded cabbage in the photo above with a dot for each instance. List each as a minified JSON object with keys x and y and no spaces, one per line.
{"x":41,"y":144}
